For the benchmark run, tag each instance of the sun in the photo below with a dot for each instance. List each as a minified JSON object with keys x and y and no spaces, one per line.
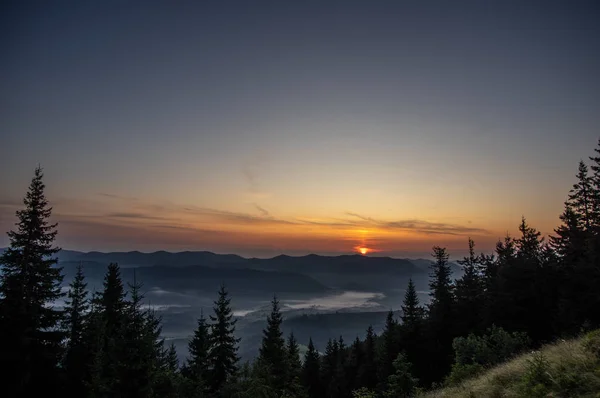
{"x":363,"y":250}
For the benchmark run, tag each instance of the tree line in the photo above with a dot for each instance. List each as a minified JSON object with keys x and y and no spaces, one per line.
{"x":106,"y":344}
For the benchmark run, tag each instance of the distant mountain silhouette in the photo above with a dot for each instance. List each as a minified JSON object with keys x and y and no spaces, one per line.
{"x":203,"y":279}
{"x":310,"y":273}
{"x":139,"y":259}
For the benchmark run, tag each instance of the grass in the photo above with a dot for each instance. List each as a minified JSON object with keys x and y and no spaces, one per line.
{"x":564,"y":369}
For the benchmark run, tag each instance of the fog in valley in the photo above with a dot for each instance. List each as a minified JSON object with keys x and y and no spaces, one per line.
{"x":321,"y":297}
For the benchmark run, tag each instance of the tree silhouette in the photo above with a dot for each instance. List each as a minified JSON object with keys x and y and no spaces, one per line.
{"x":223,"y":357}
{"x":29,"y":284}
{"x":272,"y":352}
{"x":75,"y":322}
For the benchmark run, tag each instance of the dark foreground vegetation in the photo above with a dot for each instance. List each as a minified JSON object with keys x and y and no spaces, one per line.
{"x":105,"y":344}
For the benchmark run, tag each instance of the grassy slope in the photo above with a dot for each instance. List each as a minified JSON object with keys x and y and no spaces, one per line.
{"x":573,"y":371}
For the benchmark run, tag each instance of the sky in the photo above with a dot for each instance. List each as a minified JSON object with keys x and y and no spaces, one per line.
{"x":262,"y":128}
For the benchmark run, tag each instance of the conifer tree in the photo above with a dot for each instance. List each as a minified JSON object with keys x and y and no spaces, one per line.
{"x":495,"y":268}
{"x":390,"y":347}
{"x":223,"y":357}
{"x":294,"y":368}
{"x":171,"y":360}
{"x":353,"y":365}
{"x":401,"y":384}
{"x":111,"y":319}
{"x":412,"y":328}
{"x":29,"y":284}
{"x":341,"y":382}
{"x":581,"y":198}
{"x":141,"y":349}
{"x":169,"y":383}
{"x":272,"y":351}
{"x":368,"y":370}
{"x":293,"y":352}
{"x":412,"y":312}
{"x":469,"y":294}
{"x":329,"y":368}
{"x":527,"y":282}
{"x":571,"y":242}
{"x":441,"y":315}
{"x":311,"y":372}
{"x":196,"y":369}
{"x":595,"y":190}
{"x":93,"y":337}
{"x":74,"y":323}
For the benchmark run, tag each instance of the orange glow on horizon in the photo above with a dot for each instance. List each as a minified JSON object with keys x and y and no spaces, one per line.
{"x":363,"y":250}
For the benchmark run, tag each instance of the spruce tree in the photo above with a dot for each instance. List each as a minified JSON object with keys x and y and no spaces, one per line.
{"x":581,"y":198}
{"x":595,"y":193}
{"x":353,"y":365}
{"x":389,"y":348}
{"x":368,"y":369}
{"x":74,"y":323}
{"x":141,"y":350}
{"x":168,"y":381}
{"x":412,"y":328}
{"x":529,"y":284}
{"x":293,"y":385}
{"x":29,"y":285}
{"x":441,"y":315}
{"x":329,"y":368}
{"x":111,"y":307}
{"x":401,"y":384}
{"x":272,"y":351}
{"x":495,"y":266}
{"x":571,"y":241}
{"x":311,"y":372}
{"x":222,"y":356}
{"x":341,"y":382}
{"x":412,"y":312}
{"x":469,"y":295}
{"x":196,"y":369}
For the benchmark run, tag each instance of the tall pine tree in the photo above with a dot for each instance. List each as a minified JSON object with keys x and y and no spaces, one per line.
{"x":412,"y":328}
{"x":389,"y":348}
{"x":75,"y":322}
{"x":368,"y":369}
{"x":223,"y":356}
{"x":469,"y":294}
{"x":29,"y":285}
{"x":441,"y":315}
{"x":196,"y":370}
{"x":111,"y":306}
{"x":293,"y":385}
{"x":272,"y":351}
{"x":311,"y":372}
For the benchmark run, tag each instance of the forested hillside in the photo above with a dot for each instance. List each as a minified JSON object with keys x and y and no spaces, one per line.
{"x":531,"y":291}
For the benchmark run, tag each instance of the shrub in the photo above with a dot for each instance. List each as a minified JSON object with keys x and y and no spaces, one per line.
{"x":363,"y":392}
{"x":496,"y":346}
{"x":536,"y":380}
{"x":462,"y":372}
{"x":591,"y":343}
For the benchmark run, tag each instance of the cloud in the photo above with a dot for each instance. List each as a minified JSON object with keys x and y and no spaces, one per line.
{"x":114,"y":196}
{"x":135,"y":216}
{"x":422,"y":226}
{"x":234,"y":217}
{"x":262,"y":211}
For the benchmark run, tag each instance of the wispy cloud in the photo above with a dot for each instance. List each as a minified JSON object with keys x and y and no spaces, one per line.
{"x":422,"y":226}
{"x":235,"y":217}
{"x":138,"y":216}
{"x":262,"y":211}
{"x":114,"y":196}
